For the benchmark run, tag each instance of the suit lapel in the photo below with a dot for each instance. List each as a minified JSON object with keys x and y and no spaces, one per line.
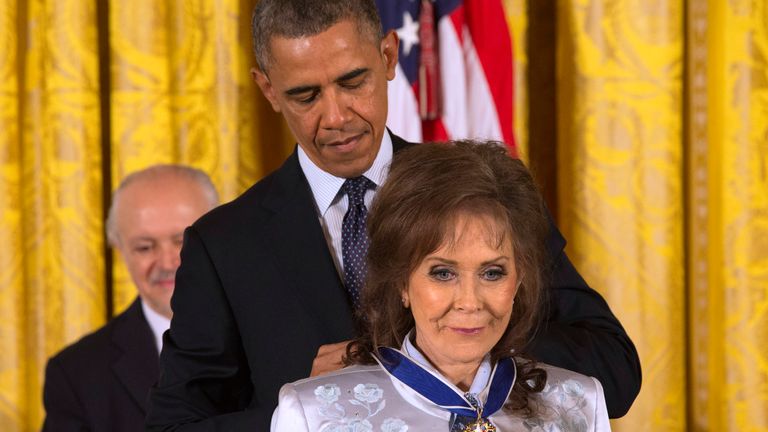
{"x":302,"y":253}
{"x":135,"y":361}
{"x":398,"y":143}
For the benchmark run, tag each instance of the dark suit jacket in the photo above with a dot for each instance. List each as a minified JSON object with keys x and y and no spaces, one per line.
{"x":101,"y":382}
{"x":257,"y":293}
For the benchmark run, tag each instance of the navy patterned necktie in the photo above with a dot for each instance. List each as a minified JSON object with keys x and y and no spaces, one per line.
{"x":354,"y":238}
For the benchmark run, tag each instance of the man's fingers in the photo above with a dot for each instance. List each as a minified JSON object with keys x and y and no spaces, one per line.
{"x":328,"y":358}
{"x":332,"y":348}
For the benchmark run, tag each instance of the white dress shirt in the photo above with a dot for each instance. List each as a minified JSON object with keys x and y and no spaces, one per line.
{"x":158,"y":323}
{"x":331,"y":205}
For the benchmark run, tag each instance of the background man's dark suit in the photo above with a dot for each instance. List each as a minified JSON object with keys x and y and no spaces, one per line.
{"x":120,"y":361}
{"x":260,"y":293}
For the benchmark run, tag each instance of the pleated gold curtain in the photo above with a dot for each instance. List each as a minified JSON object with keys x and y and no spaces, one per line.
{"x":620,"y":70}
{"x":661,"y":188}
{"x":89,"y":92}
{"x":517,"y":18}
{"x":181,"y":92}
{"x":51,"y":266}
{"x":663,"y":195}
{"x":728,"y":214}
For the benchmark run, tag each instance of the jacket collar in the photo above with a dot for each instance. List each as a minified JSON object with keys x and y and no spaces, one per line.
{"x":134,"y":359}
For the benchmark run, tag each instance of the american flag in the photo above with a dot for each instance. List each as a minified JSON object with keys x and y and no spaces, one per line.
{"x":454,"y":77}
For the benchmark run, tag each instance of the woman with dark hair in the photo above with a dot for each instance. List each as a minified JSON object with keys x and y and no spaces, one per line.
{"x":453,"y":296}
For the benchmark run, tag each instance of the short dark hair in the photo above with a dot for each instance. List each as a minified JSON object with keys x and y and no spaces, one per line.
{"x":414,"y":213}
{"x":301,"y":18}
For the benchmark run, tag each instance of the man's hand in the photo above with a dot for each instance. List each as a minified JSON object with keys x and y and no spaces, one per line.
{"x":328,"y":358}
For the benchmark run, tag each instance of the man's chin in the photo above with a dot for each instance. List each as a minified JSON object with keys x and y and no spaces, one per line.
{"x":349,"y":167}
{"x":348,"y":160}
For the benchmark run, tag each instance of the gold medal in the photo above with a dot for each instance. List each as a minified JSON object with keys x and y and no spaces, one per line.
{"x":480,"y":425}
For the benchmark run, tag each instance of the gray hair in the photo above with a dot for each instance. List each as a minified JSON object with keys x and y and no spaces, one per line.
{"x":300,"y":18}
{"x":153,"y":172}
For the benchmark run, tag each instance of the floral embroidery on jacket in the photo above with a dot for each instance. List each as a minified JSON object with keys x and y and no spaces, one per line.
{"x":368,"y":401}
{"x":561,"y":406}
{"x":328,"y":393}
{"x":368,"y":393}
{"x":394,"y":425}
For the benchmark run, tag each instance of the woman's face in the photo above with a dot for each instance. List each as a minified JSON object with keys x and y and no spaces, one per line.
{"x":461,"y":295}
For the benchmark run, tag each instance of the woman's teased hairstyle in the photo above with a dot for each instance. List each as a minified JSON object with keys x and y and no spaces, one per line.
{"x":430,"y":186}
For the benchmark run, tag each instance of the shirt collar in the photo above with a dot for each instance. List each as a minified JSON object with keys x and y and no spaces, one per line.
{"x":482,"y":377}
{"x":325,"y":186}
{"x":158,"y":323}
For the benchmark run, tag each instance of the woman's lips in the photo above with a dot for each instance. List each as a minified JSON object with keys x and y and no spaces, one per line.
{"x":469,"y":331}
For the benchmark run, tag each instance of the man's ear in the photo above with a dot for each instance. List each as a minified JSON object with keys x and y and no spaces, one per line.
{"x":262,"y":80}
{"x":389,"y":50}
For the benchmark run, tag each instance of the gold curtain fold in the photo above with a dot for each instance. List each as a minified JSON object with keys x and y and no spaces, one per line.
{"x":662,"y":173}
{"x":620,"y":188}
{"x":517,"y":19}
{"x":181,"y":93}
{"x":672,"y":227}
{"x":728,"y":214}
{"x":52,"y":260}
{"x":13,"y":399}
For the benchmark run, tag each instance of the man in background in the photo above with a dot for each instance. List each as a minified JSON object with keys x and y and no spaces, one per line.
{"x":101,"y":382}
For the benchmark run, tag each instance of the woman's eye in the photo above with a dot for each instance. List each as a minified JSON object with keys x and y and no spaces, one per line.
{"x":441,"y":274}
{"x":493,"y":274}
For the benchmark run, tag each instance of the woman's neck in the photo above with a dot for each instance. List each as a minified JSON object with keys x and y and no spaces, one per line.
{"x":462,"y":375}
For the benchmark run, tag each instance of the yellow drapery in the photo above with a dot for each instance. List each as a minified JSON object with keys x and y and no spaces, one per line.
{"x":178,"y":90}
{"x":665,"y":209}
{"x":728,"y":215}
{"x":621,"y":197}
{"x":52,"y":266}
{"x":517,"y":19}
{"x":663,"y":191}
{"x":181,"y":92}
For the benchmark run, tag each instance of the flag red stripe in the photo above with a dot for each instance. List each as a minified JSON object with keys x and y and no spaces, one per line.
{"x":488,"y":27}
{"x":434,"y":130}
{"x":457,"y":18}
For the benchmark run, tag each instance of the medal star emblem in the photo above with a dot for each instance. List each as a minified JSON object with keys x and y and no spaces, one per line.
{"x":480,"y":425}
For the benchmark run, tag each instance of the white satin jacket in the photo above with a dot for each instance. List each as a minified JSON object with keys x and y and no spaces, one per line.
{"x":367,"y":399}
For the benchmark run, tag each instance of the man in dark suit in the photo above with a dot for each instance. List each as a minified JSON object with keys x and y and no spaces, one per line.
{"x":261,"y":297}
{"x":101,"y":382}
